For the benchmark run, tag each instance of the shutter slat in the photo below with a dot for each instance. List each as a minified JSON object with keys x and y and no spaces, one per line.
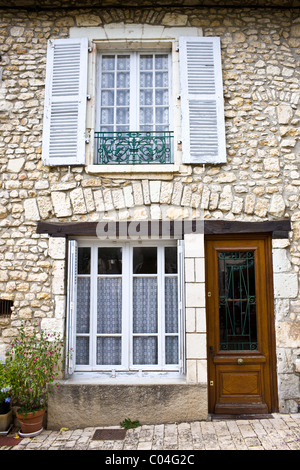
{"x":65,"y":102}
{"x":202,"y":100}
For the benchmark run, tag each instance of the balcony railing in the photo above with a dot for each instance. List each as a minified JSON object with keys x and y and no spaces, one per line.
{"x":132,"y":148}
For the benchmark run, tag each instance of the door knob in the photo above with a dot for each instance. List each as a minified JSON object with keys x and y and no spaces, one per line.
{"x":240,"y":361}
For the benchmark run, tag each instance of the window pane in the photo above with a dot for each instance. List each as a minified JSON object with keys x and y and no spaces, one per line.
{"x":109,"y":305}
{"x":161,"y":79}
{"x":123,"y":62}
{"x":107,"y":98}
{"x":146,"y":62}
{"x":108,"y":351}
{"x":84,"y":260}
{"x":162,"y":128}
{"x":107,"y":116}
{"x":109,"y":260}
{"x":82,"y":350}
{"x":171,"y":350}
{"x":162,"y":97}
{"x":123,"y":80}
{"x":83,"y":305}
{"x":146,"y":79}
{"x":145,"y":350}
{"x":161,"y":62}
{"x":170,"y":259}
{"x":144,"y":305}
{"x":162,"y":115}
{"x":146,"y":97}
{"x":108,"y":62}
{"x":171,"y":305}
{"x":122,"y":115}
{"x":108,"y":80}
{"x":146,"y":115}
{"x":145,"y":260}
{"x":122,"y":97}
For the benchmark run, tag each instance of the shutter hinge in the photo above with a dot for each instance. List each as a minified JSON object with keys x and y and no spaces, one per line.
{"x":90,"y":49}
{"x":88,"y":97}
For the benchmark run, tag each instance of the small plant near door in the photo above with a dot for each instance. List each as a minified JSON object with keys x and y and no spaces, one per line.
{"x":128,"y":424}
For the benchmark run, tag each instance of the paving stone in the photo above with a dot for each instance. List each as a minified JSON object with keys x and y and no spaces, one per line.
{"x":280,"y":433}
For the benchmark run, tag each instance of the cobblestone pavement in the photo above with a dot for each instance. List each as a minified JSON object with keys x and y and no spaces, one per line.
{"x":280,"y":432}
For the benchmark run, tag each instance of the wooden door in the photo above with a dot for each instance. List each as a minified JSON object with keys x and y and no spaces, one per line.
{"x":241,"y":356}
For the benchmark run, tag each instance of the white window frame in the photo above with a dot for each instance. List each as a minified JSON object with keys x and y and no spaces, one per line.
{"x":116,"y":37}
{"x":127,"y":334}
{"x":199,"y":134}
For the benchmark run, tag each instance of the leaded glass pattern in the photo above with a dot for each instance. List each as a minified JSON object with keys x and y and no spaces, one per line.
{"x":237,"y":300}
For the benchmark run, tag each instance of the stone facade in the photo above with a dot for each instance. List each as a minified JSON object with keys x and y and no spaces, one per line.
{"x":260,"y":181}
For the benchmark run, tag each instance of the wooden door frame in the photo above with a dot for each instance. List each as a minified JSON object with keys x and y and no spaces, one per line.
{"x":267,"y":238}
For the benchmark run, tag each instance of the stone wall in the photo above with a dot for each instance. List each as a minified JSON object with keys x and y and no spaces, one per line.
{"x":260,"y":181}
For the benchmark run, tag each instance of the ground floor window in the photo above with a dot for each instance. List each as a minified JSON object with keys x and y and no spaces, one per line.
{"x":126,"y":308}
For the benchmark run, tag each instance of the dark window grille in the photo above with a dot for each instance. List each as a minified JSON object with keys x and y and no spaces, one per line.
{"x":5,"y":308}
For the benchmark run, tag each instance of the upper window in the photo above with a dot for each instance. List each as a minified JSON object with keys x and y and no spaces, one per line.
{"x":133,"y":114}
{"x":144,"y":102}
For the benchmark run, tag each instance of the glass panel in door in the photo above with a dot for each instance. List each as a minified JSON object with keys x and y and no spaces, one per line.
{"x":237,"y":301}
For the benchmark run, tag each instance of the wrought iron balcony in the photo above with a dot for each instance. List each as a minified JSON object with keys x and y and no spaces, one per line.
{"x":131,"y":148}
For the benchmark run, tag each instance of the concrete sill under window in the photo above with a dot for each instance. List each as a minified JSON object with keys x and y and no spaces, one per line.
{"x":122,"y":379}
{"x":135,"y":169}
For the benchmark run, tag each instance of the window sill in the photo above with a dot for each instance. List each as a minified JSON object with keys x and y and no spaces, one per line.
{"x":131,"y":170}
{"x":126,"y":379}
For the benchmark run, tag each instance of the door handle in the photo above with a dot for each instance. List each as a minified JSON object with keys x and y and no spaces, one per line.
{"x":240,"y":361}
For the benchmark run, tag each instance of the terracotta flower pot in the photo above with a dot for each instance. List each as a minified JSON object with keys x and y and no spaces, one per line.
{"x":32,"y":422}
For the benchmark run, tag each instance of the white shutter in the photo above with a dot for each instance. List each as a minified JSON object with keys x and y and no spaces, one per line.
{"x":181,"y":304}
{"x":71,"y":306}
{"x":203,"y":127}
{"x":64,"y":131}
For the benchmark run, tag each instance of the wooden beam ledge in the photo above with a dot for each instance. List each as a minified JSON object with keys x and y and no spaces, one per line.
{"x":278,"y":228}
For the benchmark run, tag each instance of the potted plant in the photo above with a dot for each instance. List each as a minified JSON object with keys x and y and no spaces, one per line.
{"x":5,"y":409}
{"x":33,"y":362}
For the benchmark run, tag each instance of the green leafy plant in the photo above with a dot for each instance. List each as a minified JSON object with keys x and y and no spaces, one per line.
{"x":33,"y":362}
{"x":128,"y":424}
